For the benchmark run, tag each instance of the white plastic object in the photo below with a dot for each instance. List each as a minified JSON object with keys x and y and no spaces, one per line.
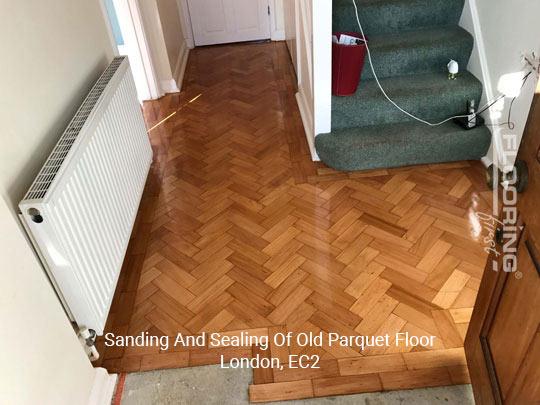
{"x":453,"y":67}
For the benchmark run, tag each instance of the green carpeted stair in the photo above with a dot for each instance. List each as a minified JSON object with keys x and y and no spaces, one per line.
{"x":411,"y":42}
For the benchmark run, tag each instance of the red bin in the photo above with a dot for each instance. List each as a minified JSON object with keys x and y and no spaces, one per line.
{"x":347,"y":65}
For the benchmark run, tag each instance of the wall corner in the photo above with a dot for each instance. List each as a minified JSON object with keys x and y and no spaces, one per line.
{"x":103,"y":389}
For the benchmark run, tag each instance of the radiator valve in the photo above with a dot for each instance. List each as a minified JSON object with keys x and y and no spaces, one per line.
{"x":87,"y":337}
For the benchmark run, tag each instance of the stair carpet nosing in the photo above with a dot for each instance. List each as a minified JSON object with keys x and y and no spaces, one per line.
{"x":400,"y":144}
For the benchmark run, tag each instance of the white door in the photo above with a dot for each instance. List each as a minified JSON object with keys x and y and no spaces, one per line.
{"x":223,"y":21}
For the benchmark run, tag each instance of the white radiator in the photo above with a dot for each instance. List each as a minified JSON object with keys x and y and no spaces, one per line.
{"x":80,"y":210}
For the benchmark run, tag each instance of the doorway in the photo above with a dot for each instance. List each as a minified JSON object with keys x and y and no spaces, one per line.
{"x":129,"y":39}
{"x":224,"y":21}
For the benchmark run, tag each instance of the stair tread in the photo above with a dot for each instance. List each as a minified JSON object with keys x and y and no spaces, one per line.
{"x":401,"y":144}
{"x":431,"y":96}
{"x":379,"y":16}
{"x":348,"y":3}
{"x":426,"y":36}
{"x":399,"y":85}
{"x":415,"y":52}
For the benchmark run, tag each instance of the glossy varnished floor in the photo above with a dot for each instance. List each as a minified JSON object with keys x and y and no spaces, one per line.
{"x":238,"y":230}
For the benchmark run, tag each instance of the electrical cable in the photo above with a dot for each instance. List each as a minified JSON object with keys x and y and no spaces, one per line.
{"x":392,"y":101}
{"x":511,"y":125}
{"x":491,"y":104}
{"x":509,"y":122}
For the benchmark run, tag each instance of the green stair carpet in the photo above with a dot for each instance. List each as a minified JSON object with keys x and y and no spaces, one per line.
{"x":411,"y":42}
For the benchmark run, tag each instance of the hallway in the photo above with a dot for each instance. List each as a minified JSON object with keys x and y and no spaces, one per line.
{"x":240,"y":231}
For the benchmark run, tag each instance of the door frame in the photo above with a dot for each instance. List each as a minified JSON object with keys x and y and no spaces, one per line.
{"x":186,"y":20}
{"x":132,"y":26}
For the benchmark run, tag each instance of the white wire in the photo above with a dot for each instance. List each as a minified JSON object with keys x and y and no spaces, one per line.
{"x":384,"y":92}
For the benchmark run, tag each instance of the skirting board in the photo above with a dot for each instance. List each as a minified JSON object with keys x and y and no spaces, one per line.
{"x":307,"y":120}
{"x":169,"y":86}
{"x":103,"y":389}
{"x":487,"y":161}
{"x":278,"y":35}
{"x":181,"y":65}
{"x":470,"y":20}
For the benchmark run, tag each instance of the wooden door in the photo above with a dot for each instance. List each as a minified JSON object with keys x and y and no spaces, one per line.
{"x":503,"y":341}
{"x":223,"y":21}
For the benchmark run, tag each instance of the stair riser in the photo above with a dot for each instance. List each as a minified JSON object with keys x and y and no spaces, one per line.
{"x":394,"y":16}
{"x":376,"y":110}
{"x":421,"y":59}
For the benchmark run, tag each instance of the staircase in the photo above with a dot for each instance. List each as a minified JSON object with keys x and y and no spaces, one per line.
{"x":411,"y":42}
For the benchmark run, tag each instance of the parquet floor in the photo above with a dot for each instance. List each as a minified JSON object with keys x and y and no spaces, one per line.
{"x":239,"y":231}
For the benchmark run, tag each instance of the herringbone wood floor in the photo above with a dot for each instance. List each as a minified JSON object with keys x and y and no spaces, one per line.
{"x":239,"y":230}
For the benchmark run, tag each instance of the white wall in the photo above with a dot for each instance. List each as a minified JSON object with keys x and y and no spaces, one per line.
{"x":303,"y":26}
{"x":172,"y":21}
{"x":290,"y":29}
{"x":168,"y":47}
{"x":42,"y":360}
{"x":322,"y":66}
{"x":185,"y":18}
{"x":172,"y":29}
{"x":137,"y":48}
{"x":158,"y":50}
{"x":309,"y":39}
{"x":503,"y":30}
{"x":277,"y":24}
{"x":53,"y":51}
